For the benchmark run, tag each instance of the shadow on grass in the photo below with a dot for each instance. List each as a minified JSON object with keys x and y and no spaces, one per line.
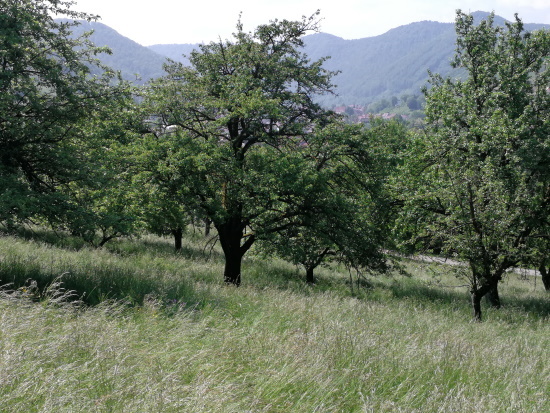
{"x":95,"y":284}
{"x":58,"y":239}
{"x":98,"y":282}
{"x":383,"y":287}
{"x":162,"y":247}
{"x":195,"y":245}
{"x":538,"y":308}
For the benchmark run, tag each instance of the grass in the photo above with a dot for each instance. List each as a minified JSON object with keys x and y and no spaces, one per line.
{"x":159,"y":332}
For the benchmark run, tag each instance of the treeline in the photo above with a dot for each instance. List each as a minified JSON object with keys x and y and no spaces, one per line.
{"x":237,"y":141}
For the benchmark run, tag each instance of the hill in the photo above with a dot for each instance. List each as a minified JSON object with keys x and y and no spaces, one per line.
{"x":372,"y":68}
{"x":136,"y":62}
{"x":177,"y":52}
{"x":392,"y":64}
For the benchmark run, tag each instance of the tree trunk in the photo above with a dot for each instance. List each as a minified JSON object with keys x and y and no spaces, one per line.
{"x":310,"y":278}
{"x":207,"y":225}
{"x":178,"y":237}
{"x":230,"y":234}
{"x":476,"y":304}
{"x":545,"y":275}
{"x":478,"y":292}
{"x":230,"y":240}
{"x":232,"y":270}
{"x":492,"y":296}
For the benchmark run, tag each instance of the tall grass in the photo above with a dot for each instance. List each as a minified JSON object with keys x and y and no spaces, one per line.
{"x":99,"y":274}
{"x":176,"y":339}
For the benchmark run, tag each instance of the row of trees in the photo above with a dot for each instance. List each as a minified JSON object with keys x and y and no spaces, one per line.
{"x":237,"y":140}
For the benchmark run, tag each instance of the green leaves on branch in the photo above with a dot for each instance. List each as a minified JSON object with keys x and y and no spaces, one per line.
{"x":46,"y":95}
{"x":481,"y":189}
{"x":239,"y":139}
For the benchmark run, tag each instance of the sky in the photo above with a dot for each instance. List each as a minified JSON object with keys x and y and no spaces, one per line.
{"x":151,"y":22}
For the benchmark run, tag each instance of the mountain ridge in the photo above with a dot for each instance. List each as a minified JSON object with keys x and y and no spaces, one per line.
{"x":371,"y":68}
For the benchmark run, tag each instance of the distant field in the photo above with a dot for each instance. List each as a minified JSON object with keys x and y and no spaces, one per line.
{"x":159,"y":332}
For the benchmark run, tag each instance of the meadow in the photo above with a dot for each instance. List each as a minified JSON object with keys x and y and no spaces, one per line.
{"x":136,"y":327}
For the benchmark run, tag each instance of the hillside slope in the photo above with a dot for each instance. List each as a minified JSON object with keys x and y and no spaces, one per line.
{"x":137,"y":63}
{"x":392,"y":64}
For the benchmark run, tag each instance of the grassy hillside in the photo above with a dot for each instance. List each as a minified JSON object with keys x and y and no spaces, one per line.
{"x":162,"y":333}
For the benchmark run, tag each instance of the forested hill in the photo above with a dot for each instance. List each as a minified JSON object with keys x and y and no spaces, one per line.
{"x":392,"y":64}
{"x":372,"y":68}
{"x":136,"y":62}
{"x":387,"y":65}
{"x":177,"y":52}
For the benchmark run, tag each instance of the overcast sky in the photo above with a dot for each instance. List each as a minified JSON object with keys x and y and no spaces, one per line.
{"x":194,"y":21}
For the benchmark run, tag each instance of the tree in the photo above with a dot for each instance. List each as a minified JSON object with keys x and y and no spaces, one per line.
{"x":46,"y":91}
{"x":540,"y":258}
{"x":482,"y":185}
{"x":352,"y":225}
{"x":544,"y":269}
{"x":159,"y":195}
{"x":243,"y":111}
{"x":101,"y":205}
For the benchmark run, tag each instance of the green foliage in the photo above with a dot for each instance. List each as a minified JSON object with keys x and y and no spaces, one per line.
{"x":351,"y":222}
{"x":241,"y":149}
{"x":159,"y":196}
{"x":46,"y":92}
{"x":480,"y":184}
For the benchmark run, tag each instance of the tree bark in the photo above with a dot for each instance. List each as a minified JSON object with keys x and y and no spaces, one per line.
{"x":310,"y":278}
{"x":232,"y":270}
{"x":207,"y":225}
{"x":493,"y":297}
{"x":545,"y":275}
{"x":479,"y":291}
{"x":178,"y":237}
{"x":231,"y":234}
{"x":476,"y":304}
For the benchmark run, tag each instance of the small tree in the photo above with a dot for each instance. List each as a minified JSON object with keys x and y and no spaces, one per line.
{"x":100,"y":205}
{"x":351,"y":225}
{"x":540,"y":259}
{"x":483,"y":187}
{"x":159,"y":196}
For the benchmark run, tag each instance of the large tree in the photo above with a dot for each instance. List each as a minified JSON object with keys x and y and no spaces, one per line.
{"x":242,"y":113}
{"x":482,"y":186}
{"x":46,"y":92}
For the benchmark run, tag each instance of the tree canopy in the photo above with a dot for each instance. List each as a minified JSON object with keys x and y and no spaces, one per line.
{"x":245,"y":119}
{"x":46,"y":92}
{"x":480,"y":183}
